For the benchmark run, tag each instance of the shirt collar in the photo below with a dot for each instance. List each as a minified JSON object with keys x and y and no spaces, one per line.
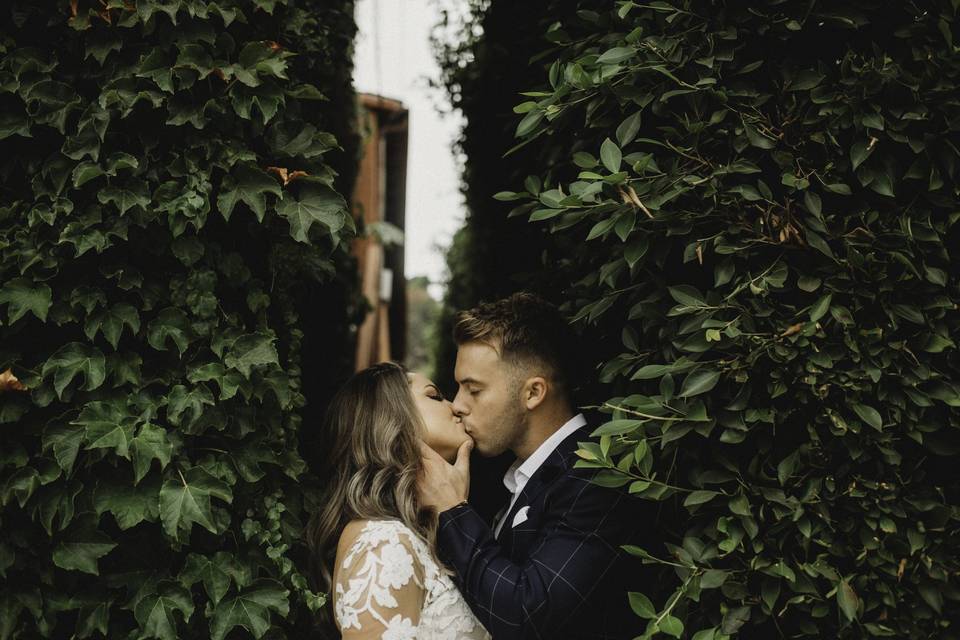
{"x":526,"y":468}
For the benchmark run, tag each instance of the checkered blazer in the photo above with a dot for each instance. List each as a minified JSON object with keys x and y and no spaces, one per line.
{"x":561,"y":572}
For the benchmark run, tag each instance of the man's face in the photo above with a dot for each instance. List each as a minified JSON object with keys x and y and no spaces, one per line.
{"x":488,"y":399}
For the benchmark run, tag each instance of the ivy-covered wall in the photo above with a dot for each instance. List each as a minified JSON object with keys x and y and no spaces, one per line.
{"x":753,"y":218}
{"x":176,"y":294}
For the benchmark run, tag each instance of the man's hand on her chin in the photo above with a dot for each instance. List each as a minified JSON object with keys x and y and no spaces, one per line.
{"x":443,"y":485}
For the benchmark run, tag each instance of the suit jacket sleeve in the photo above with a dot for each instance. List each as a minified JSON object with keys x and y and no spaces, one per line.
{"x":584,"y":526}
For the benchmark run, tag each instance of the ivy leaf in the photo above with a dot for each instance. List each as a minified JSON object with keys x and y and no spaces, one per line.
{"x":112,"y":321}
{"x":185,"y":407}
{"x":156,"y":611}
{"x":251,"y":350}
{"x":170,"y":323}
{"x":216,"y":573}
{"x":65,"y":441}
{"x":317,"y":203}
{"x":250,"y":185}
{"x":129,"y":505}
{"x":108,"y":426}
{"x":185,"y":500}
{"x":126,"y":196}
{"x":22,"y":295}
{"x":74,"y":359}
{"x":81,"y":549}
{"x":149,"y":445}
{"x":250,"y":610}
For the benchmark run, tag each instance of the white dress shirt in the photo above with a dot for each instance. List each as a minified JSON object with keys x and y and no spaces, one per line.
{"x":521,"y":471}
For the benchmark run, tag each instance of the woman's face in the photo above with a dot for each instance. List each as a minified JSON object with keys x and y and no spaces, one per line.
{"x":444,"y":432}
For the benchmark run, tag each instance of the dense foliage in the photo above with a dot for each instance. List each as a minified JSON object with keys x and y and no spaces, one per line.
{"x":755,"y":212}
{"x":169,"y":214}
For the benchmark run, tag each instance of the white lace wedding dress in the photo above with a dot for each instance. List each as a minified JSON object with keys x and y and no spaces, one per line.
{"x":388,"y":586}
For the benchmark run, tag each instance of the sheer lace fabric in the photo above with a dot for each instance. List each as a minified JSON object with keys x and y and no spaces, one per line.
{"x":388,"y":586}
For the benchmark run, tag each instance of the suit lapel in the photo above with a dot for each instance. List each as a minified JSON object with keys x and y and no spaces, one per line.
{"x":559,"y":460}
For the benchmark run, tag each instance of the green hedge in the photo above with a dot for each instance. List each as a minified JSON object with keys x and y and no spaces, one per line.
{"x":168,"y":197}
{"x":755,"y":214}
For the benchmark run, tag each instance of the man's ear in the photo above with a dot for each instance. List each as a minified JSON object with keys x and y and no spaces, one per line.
{"x":534,"y":392}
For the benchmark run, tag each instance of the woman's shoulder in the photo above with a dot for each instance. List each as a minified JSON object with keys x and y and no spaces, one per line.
{"x":372,"y":533}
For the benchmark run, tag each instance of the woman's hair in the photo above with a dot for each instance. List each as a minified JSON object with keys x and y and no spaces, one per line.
{"x":371,"y":452}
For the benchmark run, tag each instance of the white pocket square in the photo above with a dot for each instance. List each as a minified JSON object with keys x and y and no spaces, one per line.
{"x":521,"y":516}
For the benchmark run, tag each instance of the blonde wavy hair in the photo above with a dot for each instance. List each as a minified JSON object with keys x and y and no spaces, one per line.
{"x":371,"y":440}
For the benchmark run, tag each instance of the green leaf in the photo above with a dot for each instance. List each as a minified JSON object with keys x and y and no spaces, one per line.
{"x":216,"y":573}
{"x":250,"y":610}
{"x":24,"y":295}
{"x":671,"y":626}
{"x":185,"y":407}
{"x":859,"y":152}
{"x":584,"y":160}
{"x":108,"y":426}
{"x":156,"y":611}
{"x":734,"y":619}
{"x":699,"y":382}
{"x":636,"y":250}
{"x":250,"y":351}
{"x":616,"y":55}
{"x":75,"y":359}
{"x":641,"y":605}
{"x":699,"y":497}
{"x":869,"y":415}
{"x":111,"y":323}
{"x":149,"y":445}
{"x":317,"y":203}
{"x":820,"y":307}
{"x":713,"y":578}
{"x":529,"y":123}
{"x":171,"y":323}
{"x":628,"y":129}
{"x":686,"y":295}
{"x":812,"y":202}
{"x":247,"y":184}
{"x":65,"y":440}
{"x":610,"y":155}
{"x":757,"y":139}
{"x":817,"y":242}
{"x":125,"y":196}
{"x":129,"y":505}
{"x":847,"y":600}
{"x":185,"y":500}
{"x":617,"y":427}
{"x":81,"y":549}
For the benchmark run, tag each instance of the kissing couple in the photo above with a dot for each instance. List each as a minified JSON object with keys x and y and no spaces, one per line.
{"x":395,"y":541}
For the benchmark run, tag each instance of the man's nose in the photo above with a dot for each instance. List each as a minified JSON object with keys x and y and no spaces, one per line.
{"x":459,"y":408}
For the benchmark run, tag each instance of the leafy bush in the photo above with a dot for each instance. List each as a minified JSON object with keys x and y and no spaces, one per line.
{"x":756,"y":211}
{"x":167,"y":201}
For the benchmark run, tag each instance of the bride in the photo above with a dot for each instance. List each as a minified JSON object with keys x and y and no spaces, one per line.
{"x":372,"y":543}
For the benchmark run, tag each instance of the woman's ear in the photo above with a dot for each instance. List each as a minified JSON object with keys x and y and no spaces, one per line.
{"x":534,"y":392}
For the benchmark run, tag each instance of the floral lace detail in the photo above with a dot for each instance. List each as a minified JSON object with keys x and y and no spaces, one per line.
{"x":389,"y":583}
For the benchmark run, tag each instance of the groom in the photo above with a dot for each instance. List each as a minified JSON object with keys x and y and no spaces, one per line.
{"x":551,"y":567}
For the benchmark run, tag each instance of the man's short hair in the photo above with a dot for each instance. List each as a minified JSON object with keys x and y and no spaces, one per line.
{"x":525,"y":329}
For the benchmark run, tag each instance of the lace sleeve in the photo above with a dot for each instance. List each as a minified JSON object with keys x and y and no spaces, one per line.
{"x":380,"y":585}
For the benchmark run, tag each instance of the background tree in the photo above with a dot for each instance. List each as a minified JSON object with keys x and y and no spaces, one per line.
{"x":169,"y":197}
{"x":753,"y":207}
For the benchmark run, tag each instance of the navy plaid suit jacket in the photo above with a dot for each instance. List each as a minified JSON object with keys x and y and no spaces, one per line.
{"x":559,"y":574}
